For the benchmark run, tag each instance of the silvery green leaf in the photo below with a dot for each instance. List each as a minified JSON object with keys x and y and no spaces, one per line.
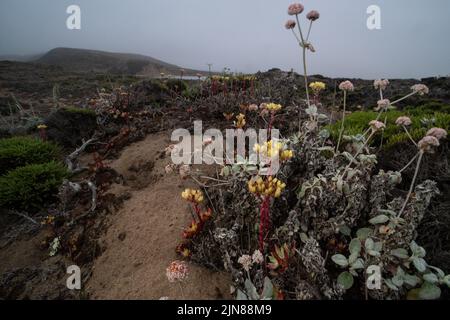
{"x":379,"y":219}
{"x":345,"y":279}
{"x":446,"y":280}
{"x":363,"y":233}
{"x":417,"y":250}
{"x":355,"y":246}
{"x":251,"y":290}
{"x":358,"y":264}
{"x":378,"y":246}
{"x":303,"y":237}
{"x":440,"y":273}
{"x":339,"y":184}
{"x":373,"y":253}
{"x":397,"y":281}
{"x":430,"y":277}
{"x":400,"y":253}
{"x":340,"y":260}
{"x":429,"y":291}
{"x":411,"y":280}
{"x":325,"y":134}
{"x":240,"y":295}
{"x":420,"y":264}
{"x":345,"y":230}
{"x":400,"y":272}
{"x":268,"y":289}
{"x":353,"y":258}
{"x":387,"y":212}
{"x":369,"y":244}
{"x":390,"y":284}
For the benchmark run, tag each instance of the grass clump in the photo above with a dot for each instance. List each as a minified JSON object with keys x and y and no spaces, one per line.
{"x":20,"y":151}
{"x":31,"y":187}
{"x":423,"y":118}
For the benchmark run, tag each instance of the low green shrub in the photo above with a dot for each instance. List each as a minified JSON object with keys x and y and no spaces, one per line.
{"x":423,"y":118}
{"x":31,"y":187}
{"x":19,"y":151}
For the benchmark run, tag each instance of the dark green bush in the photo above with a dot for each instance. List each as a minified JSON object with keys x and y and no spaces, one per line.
{"x":358,"y":122}
{"x":177,"y":85}
{"x":31,"y":187}
{"x":19,"y":151}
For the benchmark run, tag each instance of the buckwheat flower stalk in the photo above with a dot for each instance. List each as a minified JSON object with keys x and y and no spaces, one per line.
{"x":405,"y":122}
{"x":345,"y":86}
{"x":426,"y":145}
{"x":177,"y":271}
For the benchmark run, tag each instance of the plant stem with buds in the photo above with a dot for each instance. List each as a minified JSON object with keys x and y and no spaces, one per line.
{"x":341,"y":131}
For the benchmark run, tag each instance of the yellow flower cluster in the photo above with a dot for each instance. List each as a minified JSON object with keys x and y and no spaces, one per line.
{"x":191,"y":195}
{"x":317,"y":86}
{"x":271,"y":149}
{"x":273,"y":107}
{"x":271,"y":187}
{"x":240,"y":123}
{"x":42,"y":126}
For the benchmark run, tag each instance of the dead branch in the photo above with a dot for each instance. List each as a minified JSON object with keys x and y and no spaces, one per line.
{"x":72,"y":157}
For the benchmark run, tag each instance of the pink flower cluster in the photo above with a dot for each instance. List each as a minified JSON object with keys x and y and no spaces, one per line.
{"x":438,"y":133}
{"x":313,"y":15}
{"x":177,"y":271}
{"x":403,"y":121}
{"x":295,"y":9}
{"x":427,"y":143}
{"x":421,"y":89}
{"x":381,"y":84}
{"x":346,"y":86}
{"x":376,"y":125}
{"x":383,"y":104}
{"x":290,"y":24}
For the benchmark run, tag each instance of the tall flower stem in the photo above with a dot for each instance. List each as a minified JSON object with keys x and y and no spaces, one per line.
{"x":305,"y":73}
{"x":409,"y":163}
{"x":341,"y":131}
{"x":411,"y":188}
{"x":409,"y":136}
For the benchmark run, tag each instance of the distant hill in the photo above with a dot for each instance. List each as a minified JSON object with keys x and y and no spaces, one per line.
{"x":82,"y":60}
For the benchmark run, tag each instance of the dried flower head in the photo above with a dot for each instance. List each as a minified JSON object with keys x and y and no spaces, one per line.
{"x":290,"y":24}
{"x":376,"y":125}
{"x":421,"y":89}
{"x":177,"y":271}
{"x":295,"y":9}
{"x":346,"y":86}
{"x":191,"y":195}
{"x":253,"y":107}
{"x":438,"y":133}
{"x":403,"y":121}
{"x":257,"y":257}
{"x":313,"y":15}
{"x":169,"y":168}
{"x":246,"y":262}
{"x":428,"y":143}
{"x":381,"y":84}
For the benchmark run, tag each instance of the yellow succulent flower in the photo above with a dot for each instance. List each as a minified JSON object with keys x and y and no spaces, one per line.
{"x":271,"y":187}
{"x":191,"y":195}
{"x":317,"y":86}
{"x":272,"y":149}
{"x":273,"y":107}
{"x":240,"y":123}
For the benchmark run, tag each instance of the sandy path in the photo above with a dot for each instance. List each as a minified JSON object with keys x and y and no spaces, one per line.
{"x":141,"y":240}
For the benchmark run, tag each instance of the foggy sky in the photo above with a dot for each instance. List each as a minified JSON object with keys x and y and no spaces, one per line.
{"x":244,"y":35}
